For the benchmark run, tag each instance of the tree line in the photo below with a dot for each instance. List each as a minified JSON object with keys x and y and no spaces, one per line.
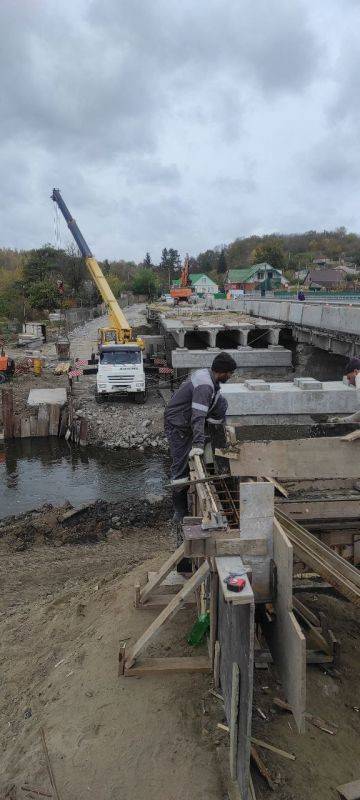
{"x":46,"y":277}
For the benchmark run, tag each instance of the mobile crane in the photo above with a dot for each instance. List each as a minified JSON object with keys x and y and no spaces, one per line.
{"x":121,"y":366}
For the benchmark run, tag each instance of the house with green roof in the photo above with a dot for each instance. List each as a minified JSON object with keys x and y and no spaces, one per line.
{"x":255,"y":277}
{"x":201,"y":283}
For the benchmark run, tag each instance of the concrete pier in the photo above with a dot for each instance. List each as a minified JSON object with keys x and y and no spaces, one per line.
{"x":245,"y":357}
{"x":304,"y":396}
{"x":196,"y":333}
{"x":331,"y":327}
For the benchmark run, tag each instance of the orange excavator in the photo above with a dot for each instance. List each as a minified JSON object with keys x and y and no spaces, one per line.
{"x":184,"y":290}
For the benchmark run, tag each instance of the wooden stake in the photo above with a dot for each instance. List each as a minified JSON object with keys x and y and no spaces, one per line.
{"x":217,"y":665}
{"x":7,"y":399}
{"x":48,"y":764}
{"x":234,"y":715}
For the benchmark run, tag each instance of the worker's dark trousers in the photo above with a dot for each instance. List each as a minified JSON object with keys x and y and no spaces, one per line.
{"x":180,"y":443}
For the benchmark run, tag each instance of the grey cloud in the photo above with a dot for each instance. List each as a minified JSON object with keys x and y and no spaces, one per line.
{"x":148,"y":115}
{"x":270,"y":42}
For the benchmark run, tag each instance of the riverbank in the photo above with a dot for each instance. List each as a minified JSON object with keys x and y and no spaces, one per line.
{"x":113,"y":424}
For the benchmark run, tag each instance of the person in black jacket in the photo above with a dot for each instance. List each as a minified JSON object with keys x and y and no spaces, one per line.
{"x":197,"y":401}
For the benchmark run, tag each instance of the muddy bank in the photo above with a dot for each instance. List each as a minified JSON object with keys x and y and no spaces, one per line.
{"x":94,"y":523}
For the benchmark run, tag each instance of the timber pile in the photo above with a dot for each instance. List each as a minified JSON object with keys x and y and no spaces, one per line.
{"x":325,"y":562}
{"x":48,"y":420}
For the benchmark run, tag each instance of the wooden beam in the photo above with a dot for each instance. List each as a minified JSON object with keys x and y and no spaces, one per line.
{"x":168,"y":612}
{"x":7,"y":399}
{"x":234,"y":717}
{"x":225,"y":547}
{"x":325,"y":457}
{"x":151,"y":666}
{"x":42,"y":428}
{"x":324,"y":561}
{"x":284,"y":636}
{"x":320,"y":509}
{"x":164,"y":571}
{"x":349,"y":791}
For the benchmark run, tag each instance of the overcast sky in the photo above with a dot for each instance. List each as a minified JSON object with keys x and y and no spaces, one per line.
{"x":178,"y":124}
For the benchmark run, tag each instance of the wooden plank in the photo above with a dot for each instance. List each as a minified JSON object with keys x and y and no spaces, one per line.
{"x":352,"y":436}
{"x":162,"y":600}
{"x":225,"y":547}
{"x":42,"y":428}
{"x":167,"y":567}
{"x":168,"y":612}
{"x":267,"y":746}
{"x":349,"y":791}
{"x":262,"y":767}
{"x":172,"y":579}
{"x":217,"y":665}
{"x":84,"y":428}
{"x":227,"y":565}
{"x":63,"y":422}
{"x":302,"y":537}
{"x":236,"y":628}
{"x":295,"y":459}
{"x":305,"y":612}
{"x":7,"y":400}
{"x":286,"y":641}
{"x":320,"y":509}
{"x":17,"y":426}
{"x":33,"y":425}
{"x":234,"y":716}
{"x":25,"y":427}
{"x":54,"y":420}
{"x":214,"y":593}
{"x":151,"y":666}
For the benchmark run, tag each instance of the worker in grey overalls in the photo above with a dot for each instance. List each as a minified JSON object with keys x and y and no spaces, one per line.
{"x":196,"y":401}
{"x":351,"y":378}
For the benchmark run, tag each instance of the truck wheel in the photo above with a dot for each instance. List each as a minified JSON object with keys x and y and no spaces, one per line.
{"x":99,"y":398}
{"x":141,"y":397}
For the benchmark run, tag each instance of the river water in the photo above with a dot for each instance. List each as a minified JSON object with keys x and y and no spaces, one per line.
{"x":37,"y":471}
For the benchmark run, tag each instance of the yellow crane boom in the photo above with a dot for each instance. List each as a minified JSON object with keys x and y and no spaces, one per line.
{"x":119,"y":330}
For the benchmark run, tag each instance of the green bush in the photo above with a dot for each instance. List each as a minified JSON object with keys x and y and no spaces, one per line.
{"x":43,"y":294}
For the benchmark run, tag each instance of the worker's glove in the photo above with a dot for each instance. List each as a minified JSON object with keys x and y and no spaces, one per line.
{"x":196,"y":451}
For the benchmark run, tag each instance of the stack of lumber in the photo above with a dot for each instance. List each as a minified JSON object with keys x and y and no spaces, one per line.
{"x":325,"y":562}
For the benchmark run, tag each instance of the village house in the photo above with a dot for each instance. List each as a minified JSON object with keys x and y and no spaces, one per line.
{"x":251,"y":278}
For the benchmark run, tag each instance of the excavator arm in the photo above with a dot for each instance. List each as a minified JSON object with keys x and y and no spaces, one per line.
{"x":117,"y":317}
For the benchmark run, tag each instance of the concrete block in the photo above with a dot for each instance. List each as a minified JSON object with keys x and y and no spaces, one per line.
{"x":257,"y":384}
{"x":287,"y":398}
{"x":295,"y":312}
{"x":259,"y":528}
{"x":256,"y":500}
{"x":312,"y":315}
{"x":39,"y":397}
{"x":308,"y":383}
{"x":245,"y":357}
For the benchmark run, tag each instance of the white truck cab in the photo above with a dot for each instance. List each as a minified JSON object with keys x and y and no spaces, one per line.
{"x":121,"y":371}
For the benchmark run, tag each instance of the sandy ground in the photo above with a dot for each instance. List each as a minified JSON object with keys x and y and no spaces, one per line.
{"x":64,"y":609}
